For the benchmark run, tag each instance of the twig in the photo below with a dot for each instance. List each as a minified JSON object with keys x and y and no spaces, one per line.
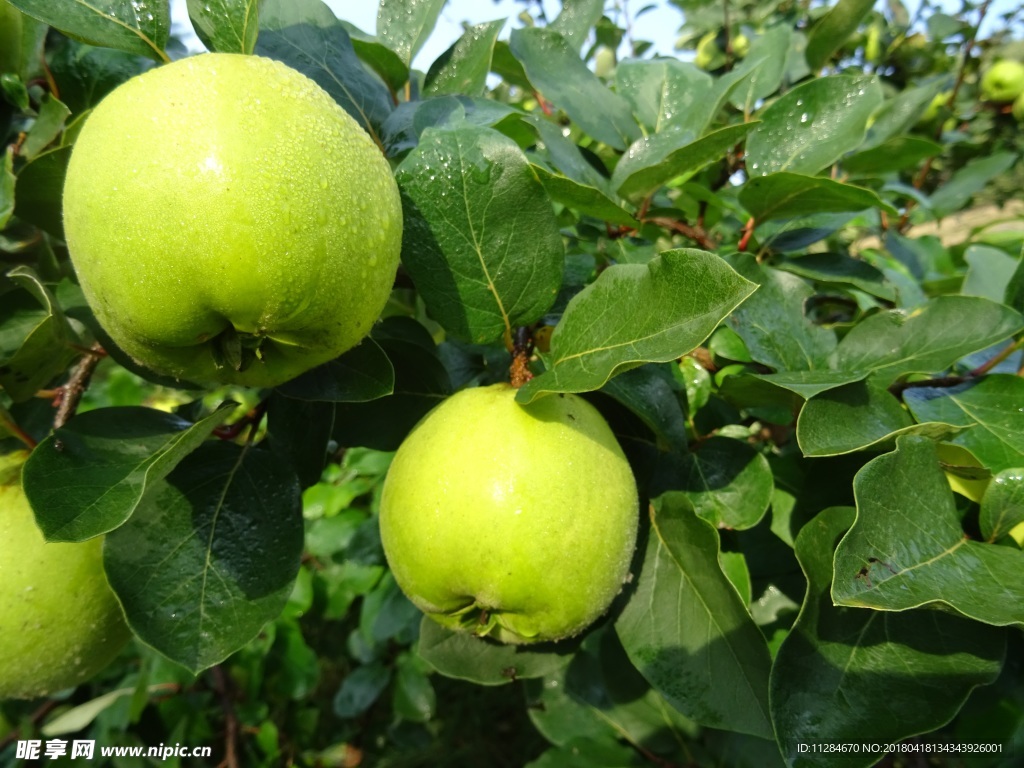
{"x":35,"y":719}
{"x":223,"y":689}
{"x":686,"y":230}
{"x":952,"y":381}
{"x":251,"y":419}
{"x":70,"y":394}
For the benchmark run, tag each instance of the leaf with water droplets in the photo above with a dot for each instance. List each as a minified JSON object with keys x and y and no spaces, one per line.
{"x":813,"y":125}
{"x":139,"y":26}
{"x":225,"y":26}
{"x":462,"y":69}
{"x":1002,"y":506}
{"x":667,"y":93}
{"x":405,"y":25}
{"x":480,"y":241}
{"x":211,"y":554}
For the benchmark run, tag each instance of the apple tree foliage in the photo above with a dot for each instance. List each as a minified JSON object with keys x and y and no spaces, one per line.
{"x":821,"y":398}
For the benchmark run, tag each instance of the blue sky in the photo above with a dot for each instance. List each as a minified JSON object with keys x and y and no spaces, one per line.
{"x":659,"y":25}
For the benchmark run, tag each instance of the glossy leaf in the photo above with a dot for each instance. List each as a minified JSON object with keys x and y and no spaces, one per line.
{"x":687,"y":631}
{"x":675,"y":302}
{"x":363,"y":373}
{"x":766,"y":63}
{"x":556,"y":71}
{"x":576,"y":19}
{"x":772,"y":322}
{"x":833,"y":29}
{"x":1002,"y":506}
{"x":907,"y":548}
{"x":786,"y":195}
{"x":93,"y":473}
{"x":647,"y":392}
{"x":7,"y":180}
{"x":480,"y":240}
{"x":813,"y":125}
{"x":856,"y":417}
{"x":39,"y":189}
{"x":899,"y":114}
{"x":225,"y":26}
{"x":485,"y":662}
{"x":463,"y":68}
{"x":969,"y":180}
{"x":306,"y":36}
{"x":990,"y":407}
{"x":655,"y":160}
{"x":405,"y":25}
{"x":839,"y":269}
{"x":989,"y":271}
{"x":210,"y":555}
{"x":140,"y":27}
{"x":839,"y":664}
{"x":667,"y":94}
{"x":381,"y":59}
{"x":892,"y":344}
{"x":893,"y":155}
{"x":584,"y":199}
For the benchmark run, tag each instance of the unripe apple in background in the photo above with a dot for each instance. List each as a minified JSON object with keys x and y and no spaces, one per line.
{"x":513,"y":521}
{"x":229,"y":222}
{"x":1003,"y":82}
{"x":709,"y":55}
{"x":60,"y":623}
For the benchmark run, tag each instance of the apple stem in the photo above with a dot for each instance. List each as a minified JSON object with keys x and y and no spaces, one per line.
{"x":70,"y":395}
{"x":522,"y":349}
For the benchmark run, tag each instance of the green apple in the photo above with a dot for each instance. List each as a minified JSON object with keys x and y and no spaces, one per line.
{"x":741,"y":45}
{"x":1003,"y":81}
{"x":513,"y":521}
{"x":60,"y":623}
{"x":709,"y":54}
{"x":229,"y":222}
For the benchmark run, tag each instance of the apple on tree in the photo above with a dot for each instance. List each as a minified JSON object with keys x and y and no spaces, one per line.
{"x":516,"y":522}
{"x":229,"y":222}
{"x":60,"y":623}
{"x":1003,"y":81}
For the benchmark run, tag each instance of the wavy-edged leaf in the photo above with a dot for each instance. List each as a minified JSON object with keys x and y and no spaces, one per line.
{"x":210,"y":555}
{"x":687,"y":631}
{"x":306,"y":35}
{"x":463,"y":68}
{"x":785,"y":195}
{"x":141,"y":27}
{"x":672,"y":304}
{"x":992,"y":409}
{"x":894,"y":343}
{"x":480,"y":241}
{"x":92,"y":474}
{"x":907,"y":548}
{"x":838,"y":663}
{"x":225,"y":26}
{"x":813,"y":125}
{"x":557,"y":72}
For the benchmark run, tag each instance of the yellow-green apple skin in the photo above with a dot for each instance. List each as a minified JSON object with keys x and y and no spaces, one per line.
{"x":60,"y":623}
{"x":513,"y":521}
{"x":229,"y":222}
{"x":1003,"y":81}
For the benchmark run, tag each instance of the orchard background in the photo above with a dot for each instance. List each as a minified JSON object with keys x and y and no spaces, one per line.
{"x":822,"y":405}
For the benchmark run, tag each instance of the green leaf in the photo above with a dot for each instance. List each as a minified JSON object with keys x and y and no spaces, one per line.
{"x":79,"y":717}
{"x":667,"y":94}
{"x":486,"y":662}
{"x":463,"y":68}
{"x":93,"y":473}
{"x":894,"y":343}
{"x":35,"y":337}
{"x":671,"y":304}
{"x":833,"y":29}
{"x":225,"y":26}
{"x":856,"y":417}
{"x":728,"y":483}
{"x":989,"y":272}
{"x":39,"y":189}
{"x":381,"y":59}
{"x":582,"y":198}
{"x":647,"y":392}
{"x":363,"y":373}
{"x":896,"y":154}
{"x":907,"y":548}
{"x":481,"y":241}
{"x":899,"y":114}
{"x":837,"y":664}
{"x":557,"y":72}
{"x":47,"y":127}
{"x":361,"y":689}
{"x":772,"y":321}
{"x":7,"y":180}
{"x":586,"y":753}
{"x":969,"y":180}
{"x":813,"y":125}
{"x":839,"y":269}
{"x":210,"y":555}
{"x":1002,"y":506}
{"x":654,"y":160}
{"x":140,"y":27}
{"x":299,"y":431}
{"x":405,"y":25}
{"x":807,"y":384}
{"x":766,"y":64}
{"x":788,"y":195}
{"x":576,"y":19}
{"x":991,"y":406}
{"x":306,"y":36}
{"x":687,"y":631}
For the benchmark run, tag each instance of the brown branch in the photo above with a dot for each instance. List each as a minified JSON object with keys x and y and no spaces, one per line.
{"x":35,"y":719}
{"x":686,"y":230}
{"x":952,"y":381}
{"x":223,"y":689}
{"x":70,"y":395}
{"x":251,"y":419}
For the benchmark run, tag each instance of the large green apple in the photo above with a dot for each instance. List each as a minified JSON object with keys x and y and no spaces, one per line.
{"x":229,"y":222}
{"x":60,"y":623}
{"x":1003,"y":81}
{"x":507,"y":520}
